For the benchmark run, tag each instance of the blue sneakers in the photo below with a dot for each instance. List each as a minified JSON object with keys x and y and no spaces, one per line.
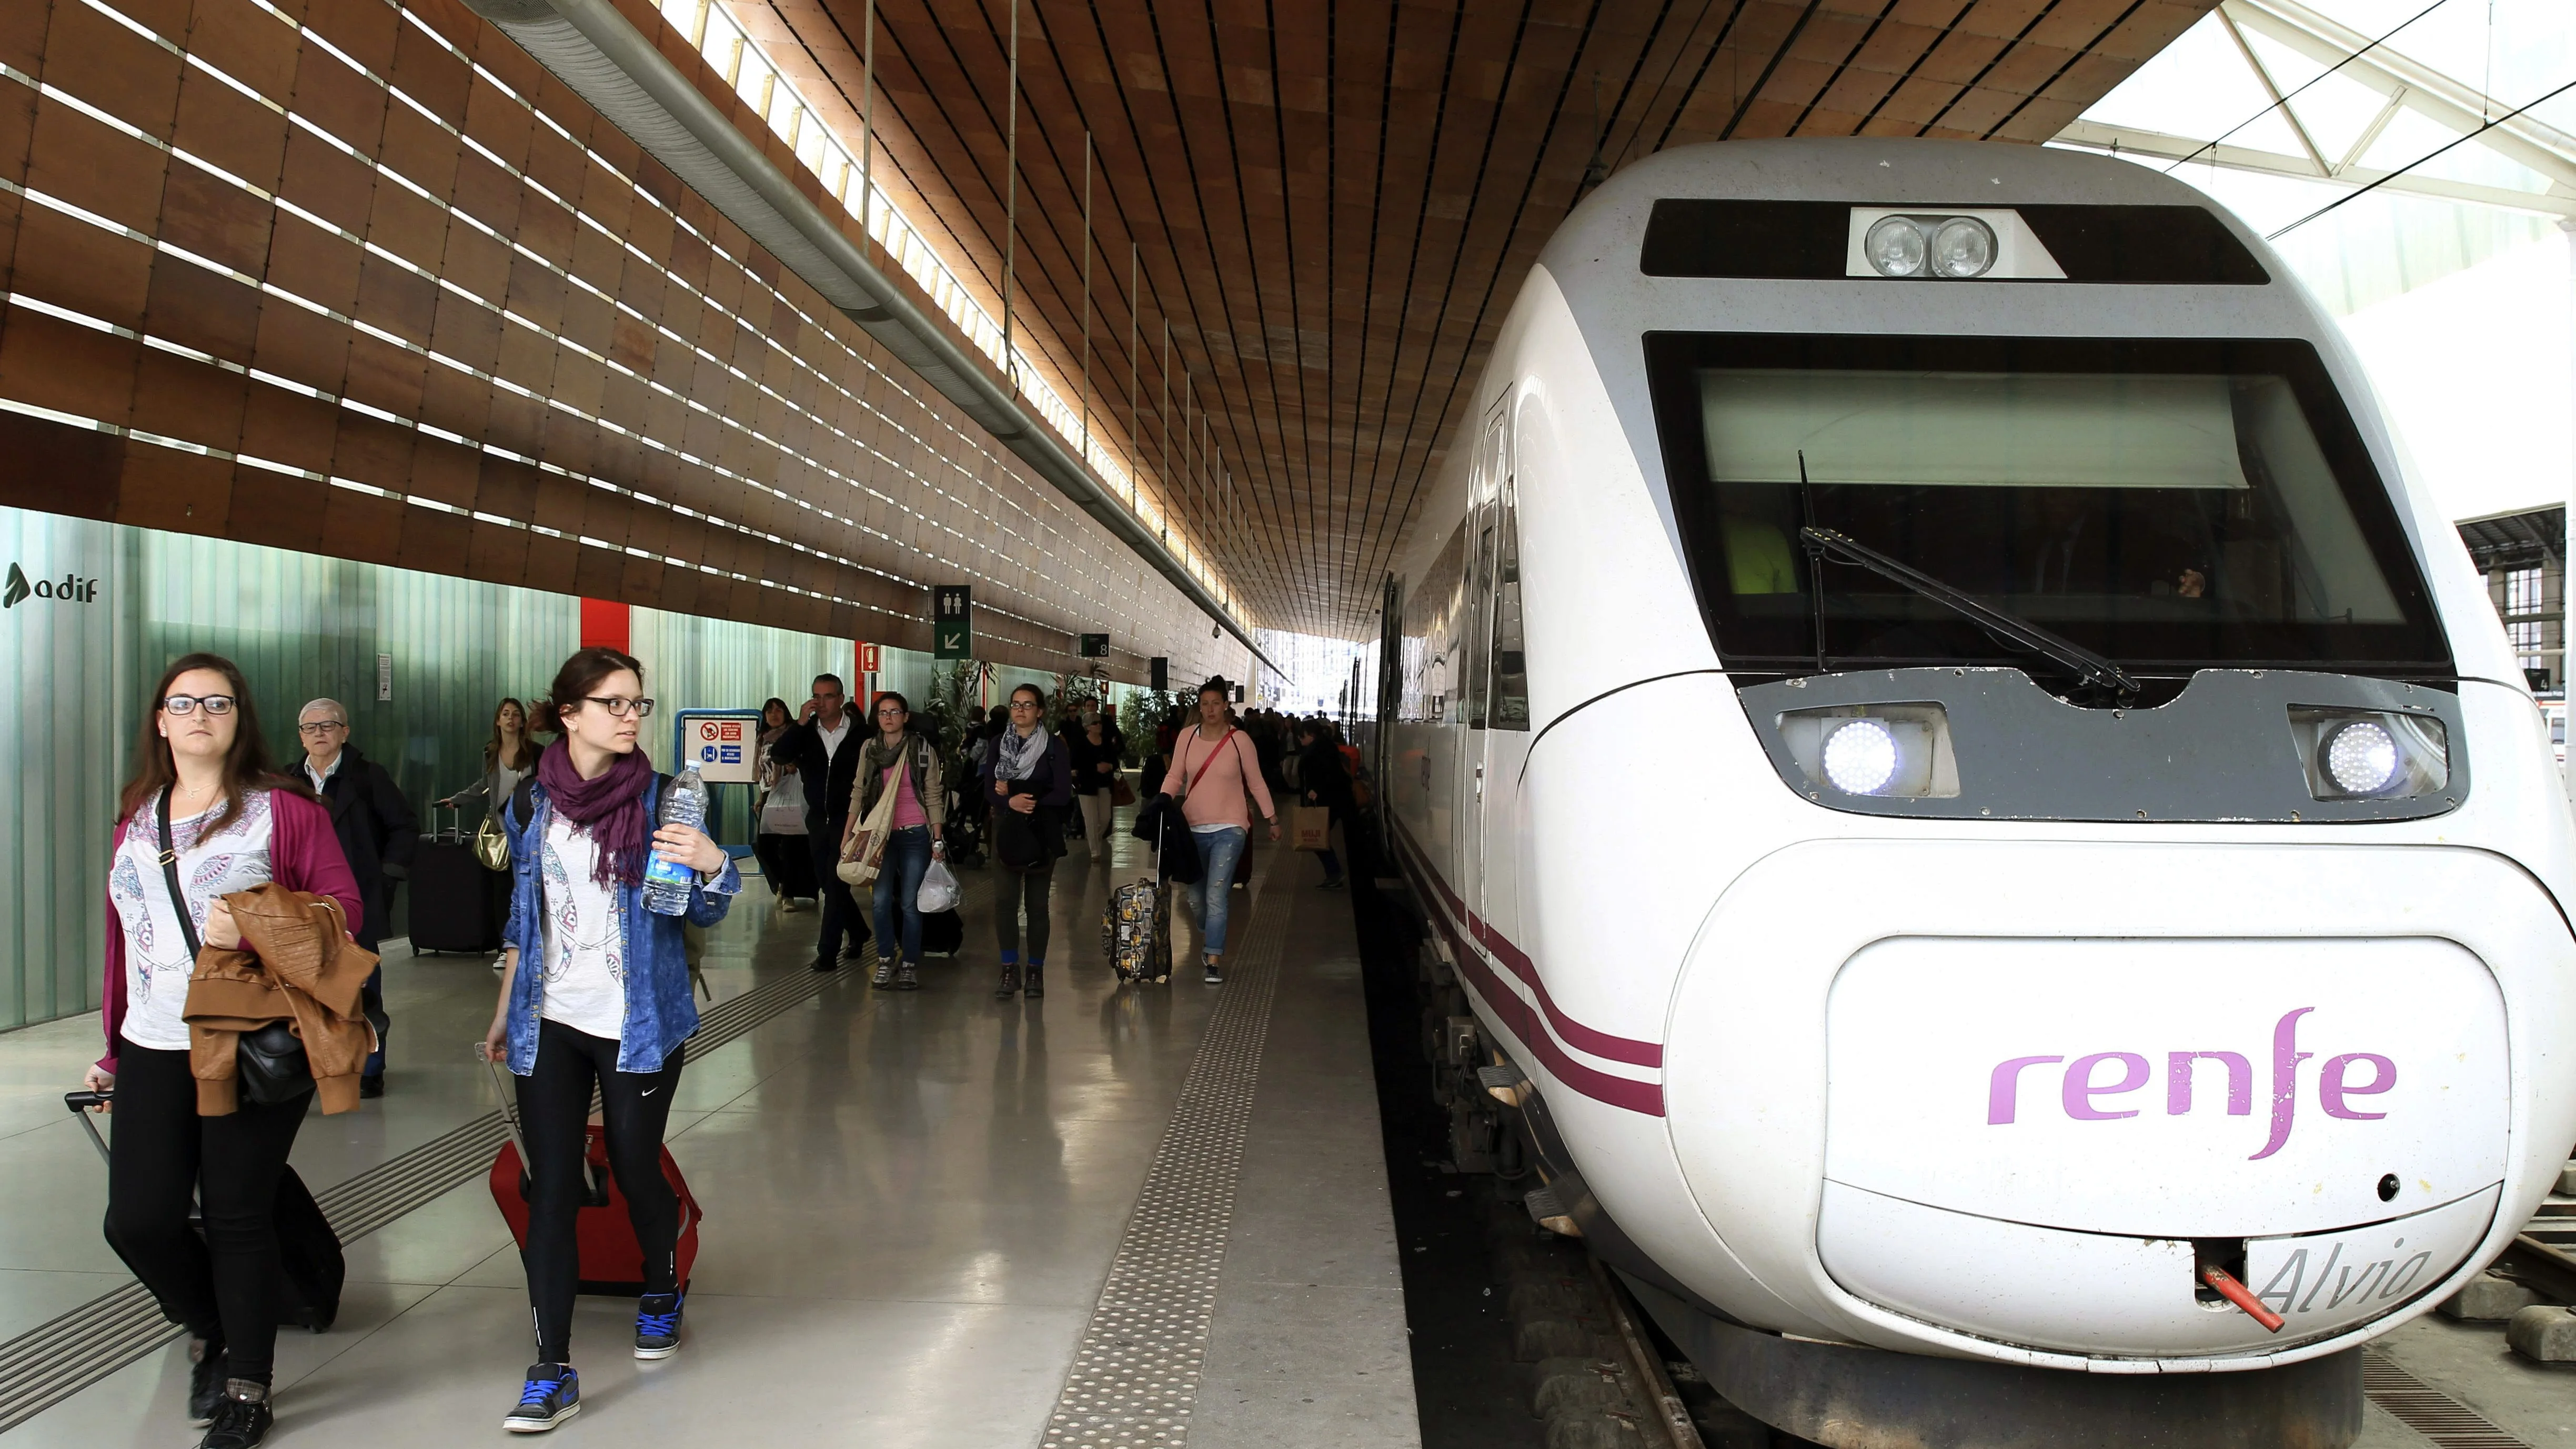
{"x":657,"y":1325}
{"x":552,"y":1395}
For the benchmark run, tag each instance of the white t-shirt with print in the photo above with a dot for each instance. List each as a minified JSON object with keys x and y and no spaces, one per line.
{"x":585,"y":965}
{"x":157,"y":963}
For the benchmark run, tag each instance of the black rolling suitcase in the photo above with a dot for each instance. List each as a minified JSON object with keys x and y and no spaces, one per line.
{"x":311,"y":1268}
{"x":452,"y":896}
{"x":943,"y":933}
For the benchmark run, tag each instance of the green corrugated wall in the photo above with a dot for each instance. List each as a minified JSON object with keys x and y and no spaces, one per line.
{"x":74,"y":672}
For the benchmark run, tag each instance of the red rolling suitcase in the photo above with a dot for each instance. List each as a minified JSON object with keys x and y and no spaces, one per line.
{"x":612,"y":1262}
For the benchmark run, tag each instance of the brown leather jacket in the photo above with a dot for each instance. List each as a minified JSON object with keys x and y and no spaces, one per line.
{"x":296,"y":964}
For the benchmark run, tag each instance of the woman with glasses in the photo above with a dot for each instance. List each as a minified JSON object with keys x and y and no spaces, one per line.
{"x":1027,"y":778}
{"x":595,"y":995}
{"x":202,"y":772}
{"x":896,"y":758}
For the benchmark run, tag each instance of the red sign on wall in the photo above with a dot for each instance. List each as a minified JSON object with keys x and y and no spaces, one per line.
{"x":868,"y":658}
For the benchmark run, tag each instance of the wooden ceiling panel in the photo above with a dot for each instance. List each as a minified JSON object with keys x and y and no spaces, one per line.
{"x":1332,"y":204}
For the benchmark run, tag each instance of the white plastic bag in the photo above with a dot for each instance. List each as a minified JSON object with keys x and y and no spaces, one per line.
{"x":783,"y":813}
{"x":938,"y":889}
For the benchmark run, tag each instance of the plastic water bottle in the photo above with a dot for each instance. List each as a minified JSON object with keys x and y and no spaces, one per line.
{"x":667,"y":882}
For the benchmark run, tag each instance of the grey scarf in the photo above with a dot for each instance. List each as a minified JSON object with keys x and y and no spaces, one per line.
{"x":1017,"y":755}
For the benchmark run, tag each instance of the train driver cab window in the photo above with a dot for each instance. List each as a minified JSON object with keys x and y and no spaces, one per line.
{"x":2171,"y":504}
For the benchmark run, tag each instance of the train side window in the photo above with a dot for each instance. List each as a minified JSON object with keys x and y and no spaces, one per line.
{"x":1479,"y":642}
{"x":1511,"y":708}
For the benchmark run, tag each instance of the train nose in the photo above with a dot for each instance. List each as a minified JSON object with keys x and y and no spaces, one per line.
{"x":2009,"y":1098}
{"x":2041,"y":1141}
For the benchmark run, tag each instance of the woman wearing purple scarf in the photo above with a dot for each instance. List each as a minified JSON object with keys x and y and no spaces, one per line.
{"x":595,"y":994}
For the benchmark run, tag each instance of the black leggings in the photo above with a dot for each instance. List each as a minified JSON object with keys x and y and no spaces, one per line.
{"x":1029,"y":888}
{"x":554,"y":1115}
{"x":223,"y":1288}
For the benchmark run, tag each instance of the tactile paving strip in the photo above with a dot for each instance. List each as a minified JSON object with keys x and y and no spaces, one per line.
{"x":48,"y":1364}
{"x":1135,"y":1375}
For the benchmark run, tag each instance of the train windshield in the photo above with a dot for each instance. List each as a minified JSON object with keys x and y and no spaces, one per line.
{"x":2173,"y":505}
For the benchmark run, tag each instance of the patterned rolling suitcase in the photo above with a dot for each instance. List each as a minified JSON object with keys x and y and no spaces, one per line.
{"x":1136,"y":934}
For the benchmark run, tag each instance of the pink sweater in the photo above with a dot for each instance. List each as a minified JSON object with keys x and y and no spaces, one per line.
{"x":1217,"y":799}
{"x":303,"y":855}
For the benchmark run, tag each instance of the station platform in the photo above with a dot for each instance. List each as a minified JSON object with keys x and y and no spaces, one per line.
{"x":1121,"y":1215}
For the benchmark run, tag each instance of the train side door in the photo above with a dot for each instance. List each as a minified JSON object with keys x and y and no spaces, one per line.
{"x":1476,"y":642}
{"x":1506,"y":736}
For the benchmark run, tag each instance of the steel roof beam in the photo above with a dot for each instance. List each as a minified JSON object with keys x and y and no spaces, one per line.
{"x":2446,"y":100}
{"x":2134,"y":141}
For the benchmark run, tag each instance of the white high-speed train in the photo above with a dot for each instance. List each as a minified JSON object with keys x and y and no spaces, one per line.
{"x":1990,"y":811}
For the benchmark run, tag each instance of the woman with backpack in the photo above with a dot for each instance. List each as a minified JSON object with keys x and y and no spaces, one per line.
{"x":908,"y":763}
{"x":595,"y":993}
{"x":204,"y":784}
{"x":1027,"y":779}
{"x":1213,"y":767}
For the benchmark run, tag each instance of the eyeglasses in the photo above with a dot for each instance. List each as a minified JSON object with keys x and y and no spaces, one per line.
{"x":620,"y":707}
{"x":891,"y":711}
{"x":321,"y":727}
{"x":1024,"y":704}
{"x":185,"y":704}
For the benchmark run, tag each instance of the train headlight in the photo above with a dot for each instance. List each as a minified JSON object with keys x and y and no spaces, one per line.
{"x":2361,"y":757}
{"x":2371,"y":754}
{"x":1897,"y":246}
{"x":1963,"y":247}
{"x":1860,"y":757}
{"x":1899,"y":750}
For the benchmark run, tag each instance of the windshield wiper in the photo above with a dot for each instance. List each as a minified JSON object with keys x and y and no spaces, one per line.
{"x":2089,"y":667}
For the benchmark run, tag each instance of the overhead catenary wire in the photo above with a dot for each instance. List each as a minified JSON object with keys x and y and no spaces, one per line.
{"x":2362,"y":191}
{"x":2283,"y":102}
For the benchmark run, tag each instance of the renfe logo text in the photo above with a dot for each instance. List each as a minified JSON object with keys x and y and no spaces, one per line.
{"x":2092,"y":1088}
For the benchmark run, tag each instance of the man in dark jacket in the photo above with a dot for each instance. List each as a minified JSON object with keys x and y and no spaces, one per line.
{"x":823,"y":745}
{"x":377,"y":833}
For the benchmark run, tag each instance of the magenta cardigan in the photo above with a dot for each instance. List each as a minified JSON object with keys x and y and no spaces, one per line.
{"x":303,"y":855}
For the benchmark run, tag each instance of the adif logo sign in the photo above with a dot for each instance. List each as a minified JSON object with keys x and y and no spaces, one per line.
{"x":69,"y":589}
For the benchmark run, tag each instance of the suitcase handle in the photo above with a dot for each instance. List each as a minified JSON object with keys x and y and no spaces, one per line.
{"x":594,"y":1183}
{"x":81,"y":1104}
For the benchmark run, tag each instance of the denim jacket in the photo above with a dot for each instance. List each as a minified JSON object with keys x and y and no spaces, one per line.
{"x":660,"y":1012}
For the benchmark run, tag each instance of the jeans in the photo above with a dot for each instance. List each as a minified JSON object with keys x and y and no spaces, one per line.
{"x":1218,"y":850}
{"x":907,"y":855}
{"x":1023,"y":889}
{"x":1097,"y":810}
{"x":223,"y":1288}
{"x":554,"y":1116}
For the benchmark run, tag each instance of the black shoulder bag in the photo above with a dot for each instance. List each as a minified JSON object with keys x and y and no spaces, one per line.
{"x":270,"y":1062}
